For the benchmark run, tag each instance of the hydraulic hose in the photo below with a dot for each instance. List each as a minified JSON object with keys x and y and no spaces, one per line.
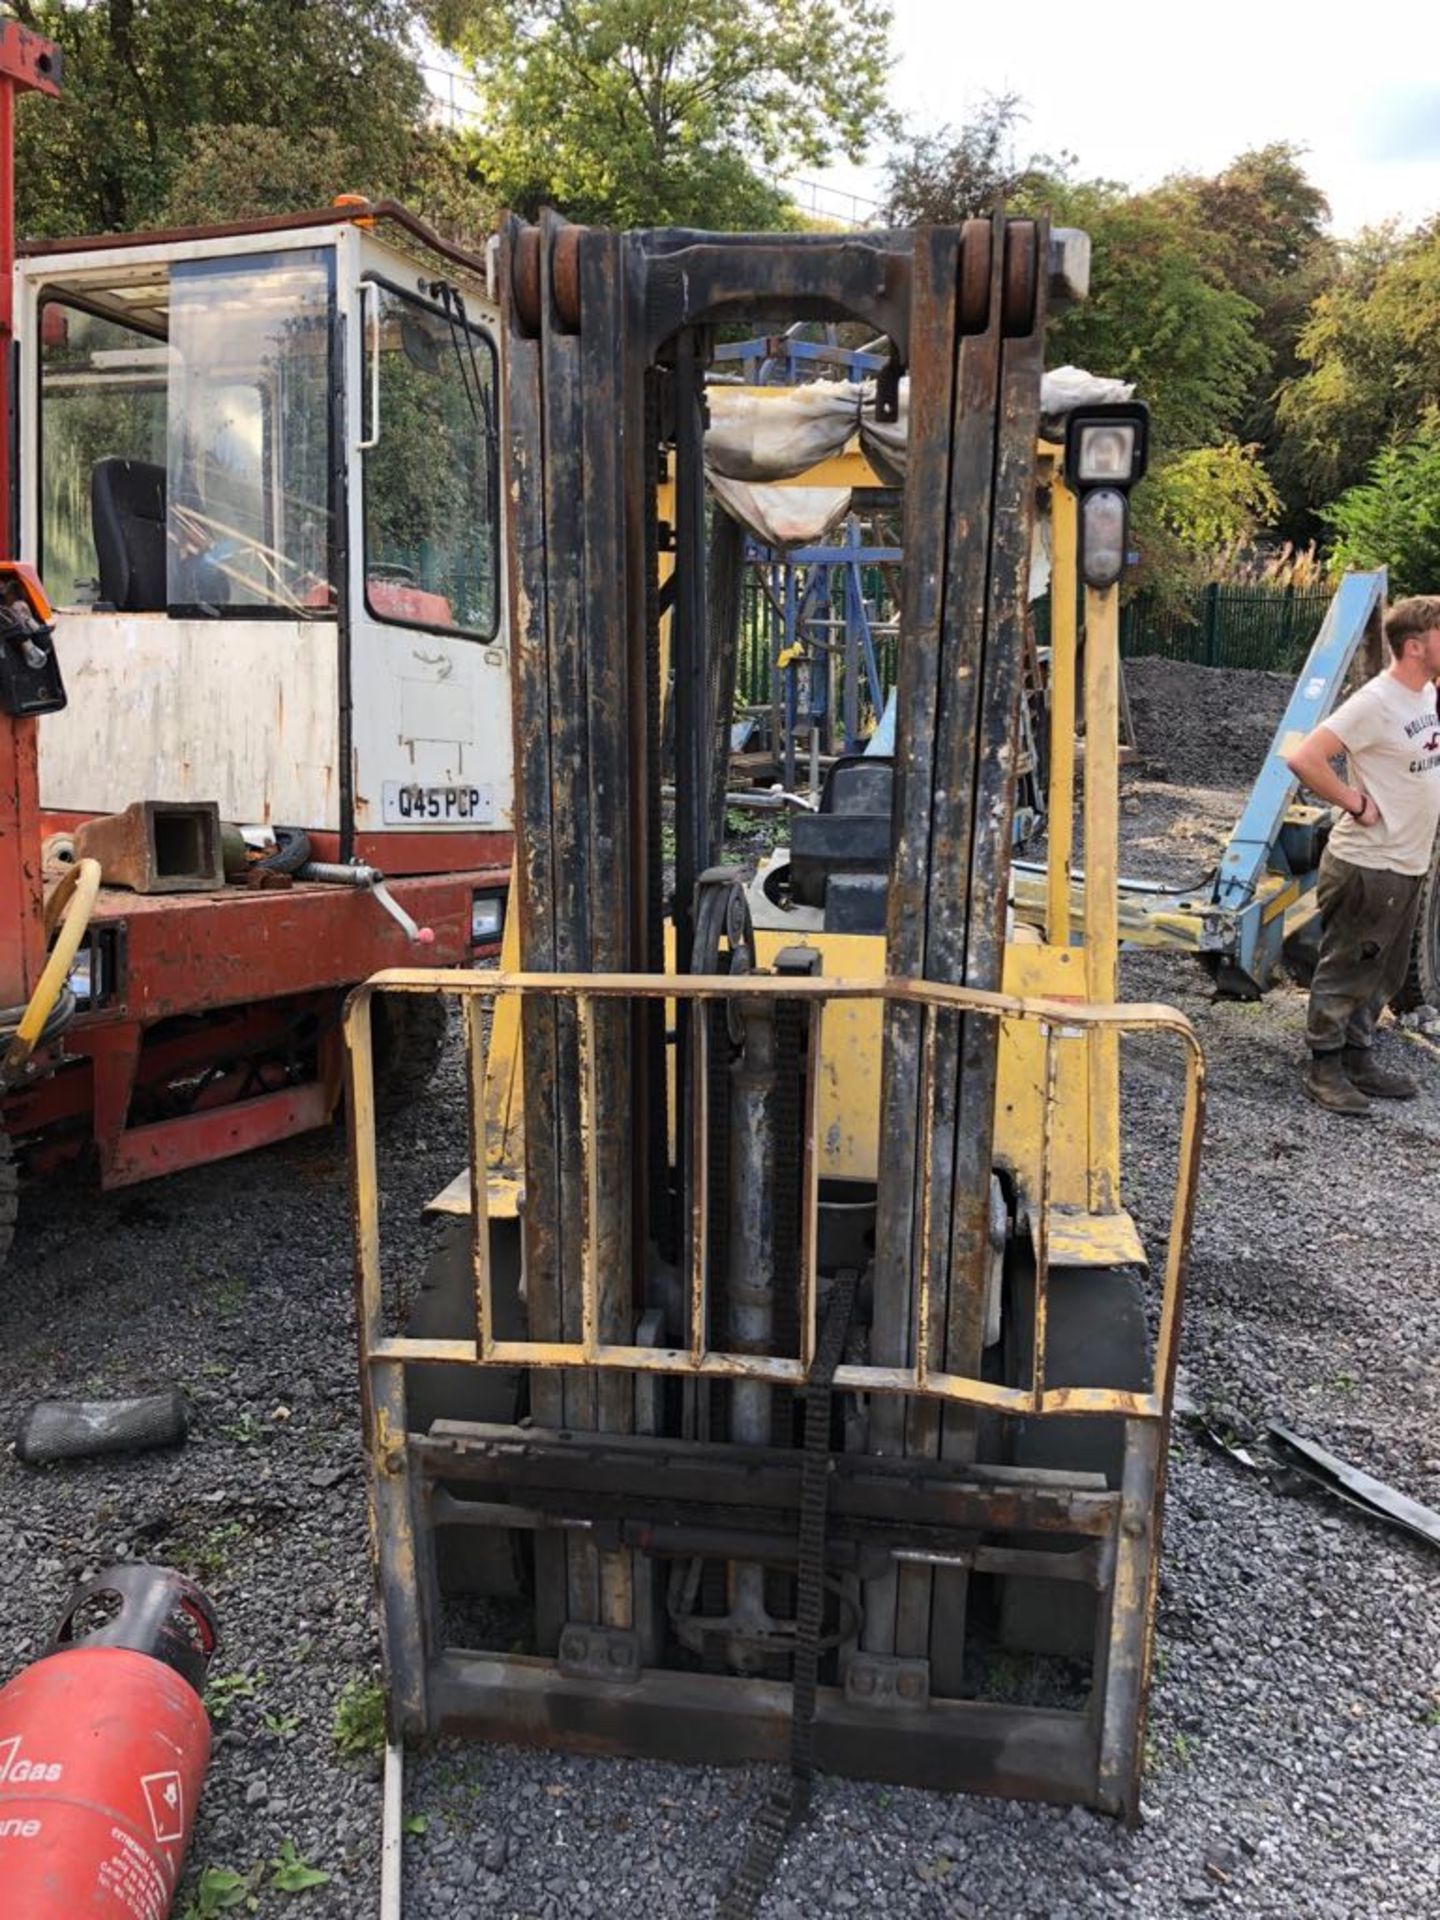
{"x":69,"y":907}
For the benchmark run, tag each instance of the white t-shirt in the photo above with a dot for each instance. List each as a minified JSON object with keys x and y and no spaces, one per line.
{"x":1391,"y":738}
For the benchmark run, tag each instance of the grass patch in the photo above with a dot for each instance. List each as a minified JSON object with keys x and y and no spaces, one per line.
{"x":360,"y":1719}
{"x":222,"y":1690}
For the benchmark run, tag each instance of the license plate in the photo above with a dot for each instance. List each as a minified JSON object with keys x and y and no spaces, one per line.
{"x":402,"y":805}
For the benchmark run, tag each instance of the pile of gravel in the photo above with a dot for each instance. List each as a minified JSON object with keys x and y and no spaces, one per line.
{"x":1204,"y":726}
{"x":233,"y":1283}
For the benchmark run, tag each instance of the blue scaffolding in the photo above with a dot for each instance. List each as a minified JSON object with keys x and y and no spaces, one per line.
{"x":821,"y":626}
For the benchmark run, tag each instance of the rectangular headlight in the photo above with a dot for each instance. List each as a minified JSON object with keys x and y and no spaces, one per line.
{"x":1107,"y":453}
{"x":1105,"y":445}
{"x":487,"y":917}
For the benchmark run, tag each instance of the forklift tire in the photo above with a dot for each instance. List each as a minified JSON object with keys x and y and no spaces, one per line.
{"x":407,"y":1038}
{"x":444,"y":1309}
{"x":1097,"y":1336}
{"x":1422,"y":983}
{"x":9,"y":1196}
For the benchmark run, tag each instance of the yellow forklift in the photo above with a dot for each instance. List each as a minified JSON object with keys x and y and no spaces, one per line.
{"x":792,"y":1380}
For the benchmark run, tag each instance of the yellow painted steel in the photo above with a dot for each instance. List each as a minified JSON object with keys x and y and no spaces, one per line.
{"x":1060,"y":805}
{"x":1051,"y":973}
{"x":1102,"y":923}
{"x":1079,"y":1239}
{"x":504,"y":1118}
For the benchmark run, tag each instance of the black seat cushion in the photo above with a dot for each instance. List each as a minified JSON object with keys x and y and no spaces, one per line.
{"x":850,"y":835}
{"x":127,"y":504}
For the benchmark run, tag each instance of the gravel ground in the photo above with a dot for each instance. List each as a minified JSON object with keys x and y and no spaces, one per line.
{"x":1295,"y":1743}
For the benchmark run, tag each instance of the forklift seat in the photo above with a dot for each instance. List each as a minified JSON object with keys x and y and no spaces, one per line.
{"x":127,"y":506}
{"x":840,"y":856}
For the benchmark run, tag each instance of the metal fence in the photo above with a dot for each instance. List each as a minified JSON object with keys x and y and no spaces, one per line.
{"x":1220,"y":626}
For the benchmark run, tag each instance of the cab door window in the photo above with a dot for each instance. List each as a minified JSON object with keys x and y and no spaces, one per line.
{"x":250,"y":523}
{"x":186,"y":459}
{"x":431,"y":523}
{"x":102,"y":405}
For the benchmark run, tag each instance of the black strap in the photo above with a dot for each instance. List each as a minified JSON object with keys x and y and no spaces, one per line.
{"x":784,"y":1809}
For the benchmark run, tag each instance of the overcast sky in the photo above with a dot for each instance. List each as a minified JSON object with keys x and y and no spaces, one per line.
{"x":1137,"y":89}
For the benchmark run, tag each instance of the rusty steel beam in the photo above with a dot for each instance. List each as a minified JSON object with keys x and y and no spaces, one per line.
{"x":1022,"y":1753}
{"x":656,"y":1475}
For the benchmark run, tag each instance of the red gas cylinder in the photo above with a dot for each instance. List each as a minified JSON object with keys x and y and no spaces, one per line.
{"x":103,"y":1748}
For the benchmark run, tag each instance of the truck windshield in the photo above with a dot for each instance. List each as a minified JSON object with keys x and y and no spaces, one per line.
{"x":185,"y":458}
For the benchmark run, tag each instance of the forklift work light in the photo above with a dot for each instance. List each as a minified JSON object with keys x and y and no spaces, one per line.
{"x":1105,"y":446}
{"x":1102,"y":536}
{"x":1107,"y":455}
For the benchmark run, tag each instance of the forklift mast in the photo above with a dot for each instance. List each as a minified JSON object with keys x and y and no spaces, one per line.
{"x":755,"y":1366}
{"x":606,"y":348}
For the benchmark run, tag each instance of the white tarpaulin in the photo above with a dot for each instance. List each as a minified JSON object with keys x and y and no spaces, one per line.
{"x":758,"y":436}
{"x":777,"y":433}
{"x":783,"y":516}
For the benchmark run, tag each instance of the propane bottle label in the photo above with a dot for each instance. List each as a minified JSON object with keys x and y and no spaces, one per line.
{"x":132,"y":1879}
{"x":16,"y":1767}
{"x":165,"y":1797}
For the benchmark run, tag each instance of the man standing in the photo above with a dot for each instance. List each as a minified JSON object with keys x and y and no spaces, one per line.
{"x":1377,"y":856}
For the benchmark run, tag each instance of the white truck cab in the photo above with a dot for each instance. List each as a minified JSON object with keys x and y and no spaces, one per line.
{"x":258,"y":474}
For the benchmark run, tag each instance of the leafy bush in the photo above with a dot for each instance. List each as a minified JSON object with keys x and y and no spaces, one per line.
{"x":1392,"y":519}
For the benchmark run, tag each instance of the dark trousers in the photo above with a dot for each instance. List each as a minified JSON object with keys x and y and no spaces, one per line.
{"x":1367,"y":924}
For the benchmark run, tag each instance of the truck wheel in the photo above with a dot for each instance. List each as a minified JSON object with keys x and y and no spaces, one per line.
{"x":9,"y":1195}
{"x":407,"y":1038}
{"x":1096,"y":1337}
{"x":1422,"y":983}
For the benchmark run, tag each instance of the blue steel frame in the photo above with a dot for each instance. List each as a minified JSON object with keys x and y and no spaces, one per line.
{"x":803,"y":580}
{"x":1256,"y":850}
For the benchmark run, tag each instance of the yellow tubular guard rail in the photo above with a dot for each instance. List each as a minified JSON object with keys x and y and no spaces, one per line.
{"x":75,"y":899}
{"x":476,"y":989}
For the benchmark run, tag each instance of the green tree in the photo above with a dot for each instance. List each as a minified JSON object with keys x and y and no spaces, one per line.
{"x":239,"y":172}
{"x":1392,"y":518}
{"x":1265,"y":224}
{"x":1164,"y":312}
{"x":958,"y":173}
{"x":1198,"y":510}
{"x":641,"y":112}
{"x":1160,"y":313}
{"x":1371,"y":354}
{"x":198,"y":109}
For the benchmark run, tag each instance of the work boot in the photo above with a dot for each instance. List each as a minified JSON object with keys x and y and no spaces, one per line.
{"x":1361,"y":1071}
{"x":1328,"y":1086}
